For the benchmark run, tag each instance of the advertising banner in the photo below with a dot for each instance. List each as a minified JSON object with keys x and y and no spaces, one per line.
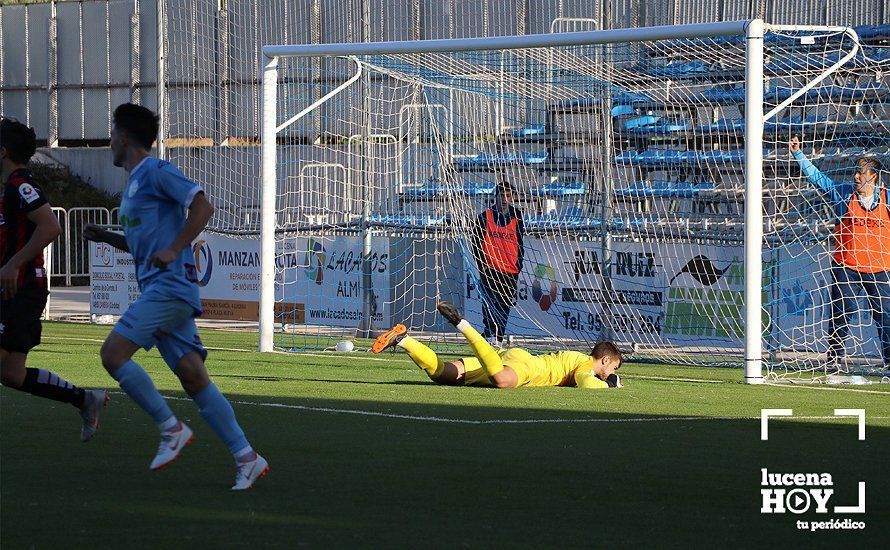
{"x":682,"y":294}
{"x":318,"y":281}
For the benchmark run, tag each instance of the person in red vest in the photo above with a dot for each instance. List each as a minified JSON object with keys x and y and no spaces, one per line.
{"x":861,"y":260}
{"x":498,"y":250}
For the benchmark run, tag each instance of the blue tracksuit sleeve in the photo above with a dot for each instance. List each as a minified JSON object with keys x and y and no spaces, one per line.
{"x":837,"y":192}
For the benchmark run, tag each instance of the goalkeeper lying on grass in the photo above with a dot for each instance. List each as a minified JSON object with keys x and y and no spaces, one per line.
{"x":511,"y":368}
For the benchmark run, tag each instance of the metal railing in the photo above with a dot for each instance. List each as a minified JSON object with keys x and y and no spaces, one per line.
{"x":69,"y":253}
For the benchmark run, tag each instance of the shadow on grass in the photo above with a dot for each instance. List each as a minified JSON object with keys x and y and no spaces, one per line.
{"x":346,"y":479}
{"x":325,"y":380}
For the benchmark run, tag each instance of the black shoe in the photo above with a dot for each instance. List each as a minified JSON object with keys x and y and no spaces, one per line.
{"x":449,"y":312}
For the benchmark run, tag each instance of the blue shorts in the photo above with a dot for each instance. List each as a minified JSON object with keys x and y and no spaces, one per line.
{"x":167,"y":324}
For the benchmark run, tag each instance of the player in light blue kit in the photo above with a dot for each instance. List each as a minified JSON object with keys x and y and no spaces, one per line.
{"x":159,"y":235}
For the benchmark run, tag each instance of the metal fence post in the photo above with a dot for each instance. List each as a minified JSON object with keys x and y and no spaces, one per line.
{"x":66,"y":235}
{"x":222,"y":75}
{"x":27,"y":69}
{"x":135,"y":58}
{"x":52,"y":138}
{"x":78,"y":251}
{"x":58,"y":260}
{"x":162,"y":83}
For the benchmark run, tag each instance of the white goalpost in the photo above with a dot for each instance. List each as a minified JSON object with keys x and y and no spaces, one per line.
{"x":661,"y":206}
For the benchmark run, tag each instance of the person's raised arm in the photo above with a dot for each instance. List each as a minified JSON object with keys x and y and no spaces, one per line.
{"x":813,"y":174}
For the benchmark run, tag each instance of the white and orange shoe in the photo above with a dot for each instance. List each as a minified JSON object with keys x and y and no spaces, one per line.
{"x":246,"y":473}
{"x":389,"y":338}
{"x":171,"y":445}
{"x":93,"y":401}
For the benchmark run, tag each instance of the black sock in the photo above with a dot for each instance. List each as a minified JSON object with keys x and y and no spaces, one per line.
{"x":44,"y":383}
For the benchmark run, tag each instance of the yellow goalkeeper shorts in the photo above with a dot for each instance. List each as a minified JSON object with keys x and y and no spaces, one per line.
{"x":474,"y":374}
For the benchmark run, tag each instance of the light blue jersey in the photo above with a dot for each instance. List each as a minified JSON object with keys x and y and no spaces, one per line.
{"x":152,"y":215}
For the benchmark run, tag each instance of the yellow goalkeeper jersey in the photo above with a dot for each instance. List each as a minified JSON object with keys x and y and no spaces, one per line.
{"x":564,"y":368}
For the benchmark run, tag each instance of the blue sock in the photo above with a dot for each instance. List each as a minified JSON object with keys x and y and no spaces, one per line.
{"x":138,"y":385}
{"x":218,"y":412}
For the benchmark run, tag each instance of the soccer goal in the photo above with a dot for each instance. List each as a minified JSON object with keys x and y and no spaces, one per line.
{"x":658,"y":201}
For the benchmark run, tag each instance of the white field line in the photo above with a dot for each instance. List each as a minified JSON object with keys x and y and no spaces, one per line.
{"x":399,"y":360}
{"x":668,"y":379}
{"x":825,"y":388}
{"x":442,"y":420}
{"x":408,"y":361}
{"x":102,"y":341}
{"x":44,"y":337}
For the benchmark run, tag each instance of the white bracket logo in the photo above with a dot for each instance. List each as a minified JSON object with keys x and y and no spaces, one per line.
{"x":795,"y":492}
{"x":765,"y":415}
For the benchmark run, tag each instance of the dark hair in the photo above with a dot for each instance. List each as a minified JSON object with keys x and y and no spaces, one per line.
{"x":602,"y":349}
{"x":19,"y":140}
{"x":138,"y":122}
{"x":873,"y":163}
{"x":502,"y":186}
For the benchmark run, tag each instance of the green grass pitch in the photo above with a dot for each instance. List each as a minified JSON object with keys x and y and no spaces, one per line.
{"x":366,"y":452}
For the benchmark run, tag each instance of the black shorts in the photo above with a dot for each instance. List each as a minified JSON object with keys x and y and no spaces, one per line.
{"x":20,"y":320}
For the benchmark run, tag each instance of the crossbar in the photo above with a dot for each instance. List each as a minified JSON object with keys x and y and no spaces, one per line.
{"x":584,"y":38}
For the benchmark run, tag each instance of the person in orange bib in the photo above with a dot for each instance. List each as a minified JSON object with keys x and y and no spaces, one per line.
{"x":861,"y":260}
{"x":498,"y":250}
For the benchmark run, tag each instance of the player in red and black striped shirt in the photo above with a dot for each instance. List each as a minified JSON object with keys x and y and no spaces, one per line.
{"x":27,"y":226}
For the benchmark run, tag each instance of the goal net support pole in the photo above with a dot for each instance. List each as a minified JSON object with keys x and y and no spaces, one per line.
{"x":753,"y":138}
{"x":753,"y":200}
{"x":268,"y":209}
{"x":646,"y":108}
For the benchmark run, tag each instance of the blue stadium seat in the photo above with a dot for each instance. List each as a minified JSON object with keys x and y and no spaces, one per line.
{"x":623,"y":111}
{"x":435,"y":188}
{"x":564,"y":220}
{"x":484,"y":161}
{"x":528,"y":131}
{"x":644,"y":120}
{"x":625,"y":98}
{"x":406,"y":220}
{"x":683,"y":69}
{"x":560,"y":189}
{"x":875,"y":91}
{"x":873,"y":33}
{"x":723,"y":126}
{"x":579,"y":219}
{"x":665,"y":189}
{"x":846,"y":155}
{"x":471,"y":162}
{"x":866,"y":57}
{"x":861,"y":139}
{"x":872,"y":127}
{"x":724,"y":96}
{"x":475,"y":188}
{"x":665,"y":158}
{"x":730,"y":96}
{"x":431,"y":188}
{"x":881,"y":55}
{"x":664,"y":128}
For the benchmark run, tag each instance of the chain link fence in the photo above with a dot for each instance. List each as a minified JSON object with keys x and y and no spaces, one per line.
{"x":64,"y":65}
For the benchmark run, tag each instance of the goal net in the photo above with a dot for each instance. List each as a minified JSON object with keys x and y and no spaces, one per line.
{"x":626,"y":155}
